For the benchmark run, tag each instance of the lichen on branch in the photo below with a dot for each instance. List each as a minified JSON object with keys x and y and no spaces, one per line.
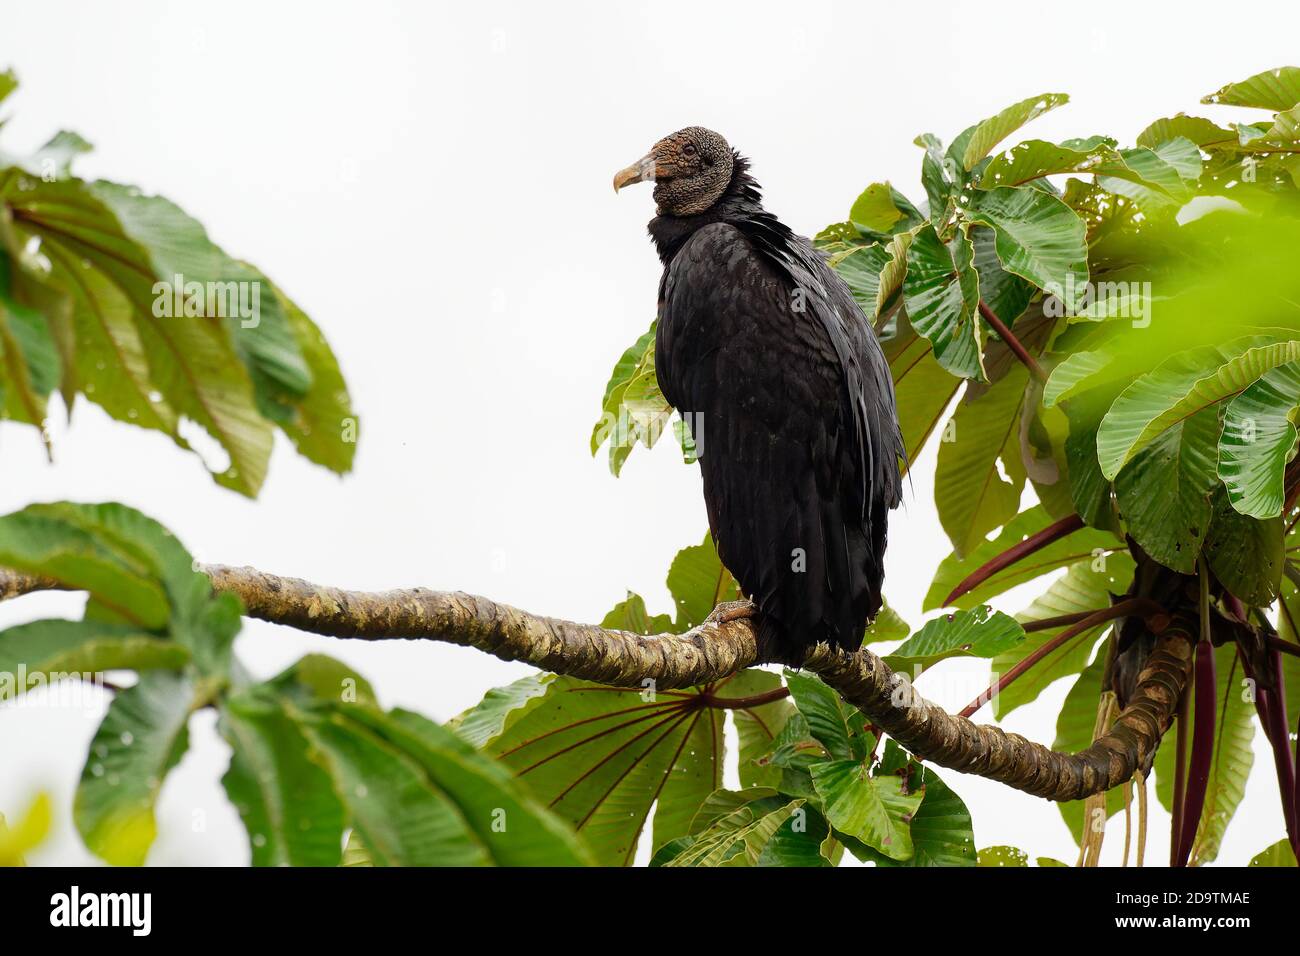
{"x":710,"y":652}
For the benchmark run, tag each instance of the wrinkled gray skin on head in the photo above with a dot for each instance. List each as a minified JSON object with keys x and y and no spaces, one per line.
{"x":692,"y":170}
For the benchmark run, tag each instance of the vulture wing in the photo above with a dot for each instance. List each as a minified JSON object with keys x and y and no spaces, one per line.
{"x":762,"y":348}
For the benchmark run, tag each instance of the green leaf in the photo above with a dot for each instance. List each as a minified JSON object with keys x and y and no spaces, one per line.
{"x":54,"y":159}
{"x":1153,"y":182}
{"x":1183,"y":155}
{"x":874,"y":210}
{"x":1259,"y":437}
{"x":624,"y":371}
{"x":1036,"y":236}
{"x":1245,"y":554}
{"x":939,"y":176}
{"x":1084,"y":544}
{"x":513,"y":828}
{"x":1090,"y":492}
{"x":876,"y":810}
{"x":601,"y":757}
{"x":698,"y":583}
{"x":1035,"y":158}
{"x":316,"y":679}
{"x":874,"y":273}
{"x":795,"y":750}
{"x":355,"y":852}
{"x":988,"y":133}
{"x":941,"y":295}
{"x":1164,"y":491}
{"x":321,"y":424}
{"x":972,"y":496}
{"x":721,"y":804}
{"x":757,"y":727}
{"x":982,"y":632}
{"x":1002,"y":856}
{"x":40,"y":544}
{"x":286,"y":800}
{"x":838,"y":726}
{"x":1279,"y":854}
{"x":888,"y":626}
{"x":759,"y":833}
{"x":1006,"y":294}
{"x":144,"y":370}
{"x":233,"y":292}
{"x":923,"y":388}
{"x":135,"y":569}
{"x":1200,"y":131}
{"x":142,"y":737}
{"x":631,"y":615}
{"x":1178,"y":388}
{"x":940,"y":830}
{"x":51,"y":650}
{"x":1080,"y":371}
{"x":634,"y":411}
{"x":30,"y":361}
{"x":487,"y":719}
{"x":34,"y":293}
{"x":27,"y":834}
{"x":1276,"y":90}
{"x":1086,"y":586}
{"x":418,"y":793}
{"x":104,"y":353}
{"x":402,"y":819}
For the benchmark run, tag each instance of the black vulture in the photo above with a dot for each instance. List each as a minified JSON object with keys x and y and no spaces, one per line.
{"x":763,"y":351}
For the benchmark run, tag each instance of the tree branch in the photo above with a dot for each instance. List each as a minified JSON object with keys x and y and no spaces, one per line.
{"x":714,"y":650}
{"x":1013,"y":343}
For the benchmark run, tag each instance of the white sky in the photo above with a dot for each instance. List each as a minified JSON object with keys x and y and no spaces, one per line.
{"x":431,"y":182}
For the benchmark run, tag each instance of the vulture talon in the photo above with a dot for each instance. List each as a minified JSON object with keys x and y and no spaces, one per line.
{"x":729,"y":611}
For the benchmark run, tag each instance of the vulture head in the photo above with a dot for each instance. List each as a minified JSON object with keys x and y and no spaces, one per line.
{"x":691,"y":169}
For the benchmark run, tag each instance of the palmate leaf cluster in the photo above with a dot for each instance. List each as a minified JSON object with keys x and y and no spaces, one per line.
{"x":313,"y":755}
{"x":1155,"y":286}
{"x":119,"y":298}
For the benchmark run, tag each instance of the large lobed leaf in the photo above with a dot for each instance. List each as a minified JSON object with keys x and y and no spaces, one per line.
{"x":1181,"y":386}
{"x":941,"y":294}
{"x":1164,"y":491}
{"x":1036,"y":236}
{"x":981,"y":632}
{"x":123,"y":298}
{"x":1258,"y":439}
{"x":971,"y":493}
{"x":634,"y":410}
{"x":1277,"y":89}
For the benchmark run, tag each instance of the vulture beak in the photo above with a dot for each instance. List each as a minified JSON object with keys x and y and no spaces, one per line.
{"x":642,"y":171}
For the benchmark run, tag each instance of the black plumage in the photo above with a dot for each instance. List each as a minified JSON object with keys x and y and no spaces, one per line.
{"x":763,"y":350}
